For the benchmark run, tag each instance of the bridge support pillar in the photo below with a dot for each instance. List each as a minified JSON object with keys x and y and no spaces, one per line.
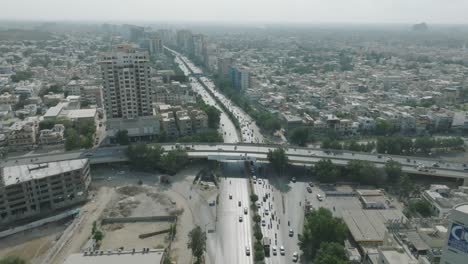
{"x":465,"y":182}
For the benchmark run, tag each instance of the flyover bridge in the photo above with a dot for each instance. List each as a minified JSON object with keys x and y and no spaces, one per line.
{"x":247,"y":151}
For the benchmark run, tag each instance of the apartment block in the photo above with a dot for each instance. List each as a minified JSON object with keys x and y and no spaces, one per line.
{"x":23,"y":133}
{"x":31,"y":190}
{"x":126,"y":82}
{"x":52,"y":136}
{"x":7,"y":98}
{"x":184,"y":123}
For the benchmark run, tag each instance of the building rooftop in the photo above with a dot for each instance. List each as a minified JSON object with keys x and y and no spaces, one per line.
{"x":82,"y":113}
{"x":22,"y":173}
{"x":369,"y":225}
{"x":113,"y":257}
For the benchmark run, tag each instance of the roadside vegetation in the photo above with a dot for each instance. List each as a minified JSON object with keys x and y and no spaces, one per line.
{"x":197,"y":243}
{"x":152,"y":157}
{"x":322,"y":237}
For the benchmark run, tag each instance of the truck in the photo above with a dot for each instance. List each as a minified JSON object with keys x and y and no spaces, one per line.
{"x":266,"y":245}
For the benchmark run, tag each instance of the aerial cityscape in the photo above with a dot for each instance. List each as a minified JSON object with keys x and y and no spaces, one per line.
{"x":202,"y":132}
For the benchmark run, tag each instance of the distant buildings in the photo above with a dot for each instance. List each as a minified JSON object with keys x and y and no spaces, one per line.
{"x":155,"y":45}
{"x":31,"y":190}
{"x":240,"y":78}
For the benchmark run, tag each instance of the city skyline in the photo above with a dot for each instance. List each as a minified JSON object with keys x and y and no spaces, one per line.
{"x":243,"y":11}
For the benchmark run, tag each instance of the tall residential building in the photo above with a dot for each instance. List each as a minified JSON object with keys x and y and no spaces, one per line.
{"x":224,"y":65}
{"x":185,"y":40}
{"x":126,"y":82}
{"x":240,"y":78}
{"x":155,"y":45}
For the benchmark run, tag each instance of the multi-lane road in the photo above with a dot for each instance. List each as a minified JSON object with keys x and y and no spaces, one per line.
{"x":233,"y":227}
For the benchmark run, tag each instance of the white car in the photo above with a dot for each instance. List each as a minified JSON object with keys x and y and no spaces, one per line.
{"x":230,"y":196}
{"x":295,"y":257}
{"x":247,"y":251}
{"x":240,"y":218}
{"x":273,"y":249}
{"x":291,"y":232}
{"x":263,"y":223}
{"x":282,"y":252}
{"x":266,"y":211}
{"x":246,"y":210}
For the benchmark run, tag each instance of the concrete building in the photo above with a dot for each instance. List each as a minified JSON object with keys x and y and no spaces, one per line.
{"x":240,"y":78}
{"x":126,"y":83}
{"x":169,"y":125}
{"x":145,"y":256}
{"x":23,"y":134}
{"x":52,"y":136}
{"x":199,"y":120}
{"x":143,"y":128}
{"x":291,"y":121}
{"x":442,"y":200}
{"x":455,"y":250}
{"x":155,"y":45}
{"x":34,"y":189}
{"x":184,"y":123}
{"x":7,"y":98}
{"x":52,"y":99}
{"x":224,"y":65}
{"x":92,"y":94}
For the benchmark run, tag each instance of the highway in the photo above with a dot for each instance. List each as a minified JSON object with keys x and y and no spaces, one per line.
{"x":233,"y":228}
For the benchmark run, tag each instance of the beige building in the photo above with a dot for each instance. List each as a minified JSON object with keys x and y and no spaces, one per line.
{"x":168,"y":123}
{"x":52,"y":136}
{"x":126,"y":83}
{"x":184,"y":123}
{"x":30,"y":190}
{"x":199,"y":120}
{"x":23,"y":133}
{"x":7,"y":98}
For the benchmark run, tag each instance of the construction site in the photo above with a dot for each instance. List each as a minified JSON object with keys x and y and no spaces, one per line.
{"x":132,"y":210}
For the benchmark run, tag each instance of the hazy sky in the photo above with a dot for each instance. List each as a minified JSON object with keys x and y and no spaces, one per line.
{"x":316,"y":11}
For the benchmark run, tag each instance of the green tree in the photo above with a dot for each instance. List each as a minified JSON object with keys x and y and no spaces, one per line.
{"x":331,"y":253}
{"x":422,"y":207}
{"x":144,"y":157}
{"x":197,"y":243}
{"x":364,"y":172}
{"x":278,"y":159}
{"x":72,"y":139}
{"x":406,"y":186}
{"x":21,"y":76}
{"x":300,"y":135}
{"x":122,"y":137}
{"x":320,"y":226}
{"x":383,"y":127}
{"x":326,"y":171}
{"x":98,"y":235}
{"x":393,"y":170}
{"x":46,"y":124}
{"x":12,"y":260}
{"x":174,"y":160}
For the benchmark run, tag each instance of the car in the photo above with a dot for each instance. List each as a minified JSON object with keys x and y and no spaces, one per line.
{"x":291,"y":232}
{"x":212,"y":203}
{"x":266,"y":211}
{"x":259,"y":181}
{"x":295,"y":256}
{"x":282,"y":252}
{"x":230,"y":196}
{"x":319,"y":197}
{"x":309,"y":189}
{"x":240,"y":218}
{"x":254,"y":181}
{"x":246,"y":210}
{"x":379,"y":156}
{"x":273,"y":249}
{"x":240,"y":203}
{"x":263,"y":222}
{"x":293,"y":179}
{"x":258,"y":204}
{"x":408,"y":160}
{"x":464,"y":165}
{"x":254,"y":178}
{"x":311,"y":184}
{"x":435,"y":165}
{"x":247,"y":250}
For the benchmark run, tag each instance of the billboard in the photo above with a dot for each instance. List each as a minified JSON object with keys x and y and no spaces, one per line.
{"x":458,"y":237}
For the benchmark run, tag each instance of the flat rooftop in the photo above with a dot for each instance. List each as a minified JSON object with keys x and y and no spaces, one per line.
{"x":113,"y":257}
{"x":22,"y":173}
{"x":369,"y":225}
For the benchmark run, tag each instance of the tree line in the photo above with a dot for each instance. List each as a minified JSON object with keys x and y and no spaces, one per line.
{"x":152,"y":157}
{"x":78,"y":134}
